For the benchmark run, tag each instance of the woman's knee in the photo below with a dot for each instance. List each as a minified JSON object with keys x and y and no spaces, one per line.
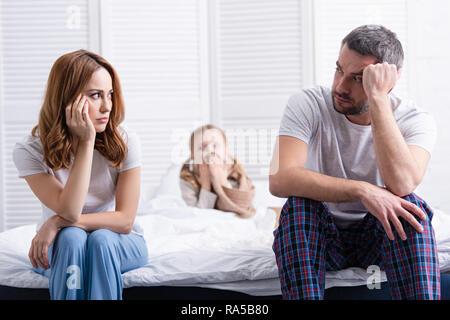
{"x":71,"y":238}
{"x":101,"y":238}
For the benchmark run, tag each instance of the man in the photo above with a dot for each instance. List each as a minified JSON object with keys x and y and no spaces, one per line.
{"x":349,"y":160}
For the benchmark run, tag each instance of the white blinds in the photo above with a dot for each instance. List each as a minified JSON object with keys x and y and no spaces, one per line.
{"x":335,"y":19}
{"x":182,"y":63}
{"x":259,"y":63}
{"x":33,"y":35}
{"x":158,"y":50}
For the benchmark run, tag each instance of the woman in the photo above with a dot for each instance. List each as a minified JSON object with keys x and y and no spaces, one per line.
{"x":212,"y":179}
{"x":85,"y":169}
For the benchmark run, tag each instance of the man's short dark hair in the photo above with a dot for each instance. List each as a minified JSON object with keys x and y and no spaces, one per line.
{"x":377,"y":41}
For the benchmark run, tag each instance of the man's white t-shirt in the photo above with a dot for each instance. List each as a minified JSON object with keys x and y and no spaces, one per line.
{"x":28,"y":158}
{"x":340,"y":148}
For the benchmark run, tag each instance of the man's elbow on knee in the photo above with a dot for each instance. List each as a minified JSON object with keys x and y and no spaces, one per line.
{"x":275,"y":186}
{"x":402,"y":189}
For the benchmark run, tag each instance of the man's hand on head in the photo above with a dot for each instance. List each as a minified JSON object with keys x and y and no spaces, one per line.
{"x":379,"y":79}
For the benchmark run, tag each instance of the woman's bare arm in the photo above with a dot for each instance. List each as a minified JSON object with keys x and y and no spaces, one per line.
{"x":68,"y":201}
{"x":122,"y":219}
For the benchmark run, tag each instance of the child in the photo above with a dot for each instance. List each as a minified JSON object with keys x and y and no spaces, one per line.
{"x":212,"y":179}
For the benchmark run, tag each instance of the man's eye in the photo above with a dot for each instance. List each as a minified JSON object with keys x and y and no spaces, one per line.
{"x":357,"y":79}
{"x":338,"y":70}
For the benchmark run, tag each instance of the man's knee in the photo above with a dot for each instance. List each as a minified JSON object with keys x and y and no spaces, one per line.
{"x":304,"y":205}
{"x":304,"y":213}
{"x":420,"y":203}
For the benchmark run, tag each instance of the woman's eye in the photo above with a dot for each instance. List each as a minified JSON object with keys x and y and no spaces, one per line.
{"x":95,"y":95}
{"x":357,"y":79}
{"x":110,"y":95}
{"x":338,"y":70}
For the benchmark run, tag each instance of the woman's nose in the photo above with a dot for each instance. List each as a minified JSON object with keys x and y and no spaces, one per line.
{"x":106,"y":106}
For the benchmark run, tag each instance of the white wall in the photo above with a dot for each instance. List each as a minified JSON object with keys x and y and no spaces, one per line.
{"x":186,"y":62}
{"x":430,"y":87}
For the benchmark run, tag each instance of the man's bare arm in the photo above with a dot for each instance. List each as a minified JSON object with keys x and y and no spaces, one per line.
{"x":402,"y":167}
{"x":289,"y":177}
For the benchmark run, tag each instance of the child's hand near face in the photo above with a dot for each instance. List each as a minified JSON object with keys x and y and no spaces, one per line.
{"x":219,"y":173}
{"x":203,"y":176}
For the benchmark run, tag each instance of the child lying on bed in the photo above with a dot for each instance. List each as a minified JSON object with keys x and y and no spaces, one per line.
{"x":211,"y":178}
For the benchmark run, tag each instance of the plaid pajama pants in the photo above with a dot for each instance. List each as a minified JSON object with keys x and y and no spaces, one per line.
{"x":307,"y":243}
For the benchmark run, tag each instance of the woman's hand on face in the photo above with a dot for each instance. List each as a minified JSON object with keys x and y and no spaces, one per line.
{"x":78,"y":121}
{"x":38,"y":253}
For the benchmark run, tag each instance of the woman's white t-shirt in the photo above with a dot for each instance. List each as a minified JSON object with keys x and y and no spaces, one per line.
{"x":28,"y":158}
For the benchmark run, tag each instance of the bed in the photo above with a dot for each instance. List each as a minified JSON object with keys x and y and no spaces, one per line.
{"x":202,"y":254}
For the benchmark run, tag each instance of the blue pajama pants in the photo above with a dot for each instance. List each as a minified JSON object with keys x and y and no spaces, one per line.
{"x":307,"y":243}
{"x":87,"y":265}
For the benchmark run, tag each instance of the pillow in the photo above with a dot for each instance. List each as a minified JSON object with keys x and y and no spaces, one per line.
{"x":170,"y":182}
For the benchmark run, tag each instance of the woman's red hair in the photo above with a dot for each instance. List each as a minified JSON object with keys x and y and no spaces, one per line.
{"x":68,"y":77}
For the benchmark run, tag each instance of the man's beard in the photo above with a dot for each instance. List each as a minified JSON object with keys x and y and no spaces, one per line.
{"x":354,"y":109}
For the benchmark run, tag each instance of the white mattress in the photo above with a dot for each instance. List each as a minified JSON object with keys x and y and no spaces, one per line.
{"x":199,"y":247}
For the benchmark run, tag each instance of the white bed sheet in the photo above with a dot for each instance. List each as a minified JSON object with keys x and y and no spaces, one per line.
{"x":200,"y":247}
{"x":197,"y":247}
{"x":187,"y":246}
